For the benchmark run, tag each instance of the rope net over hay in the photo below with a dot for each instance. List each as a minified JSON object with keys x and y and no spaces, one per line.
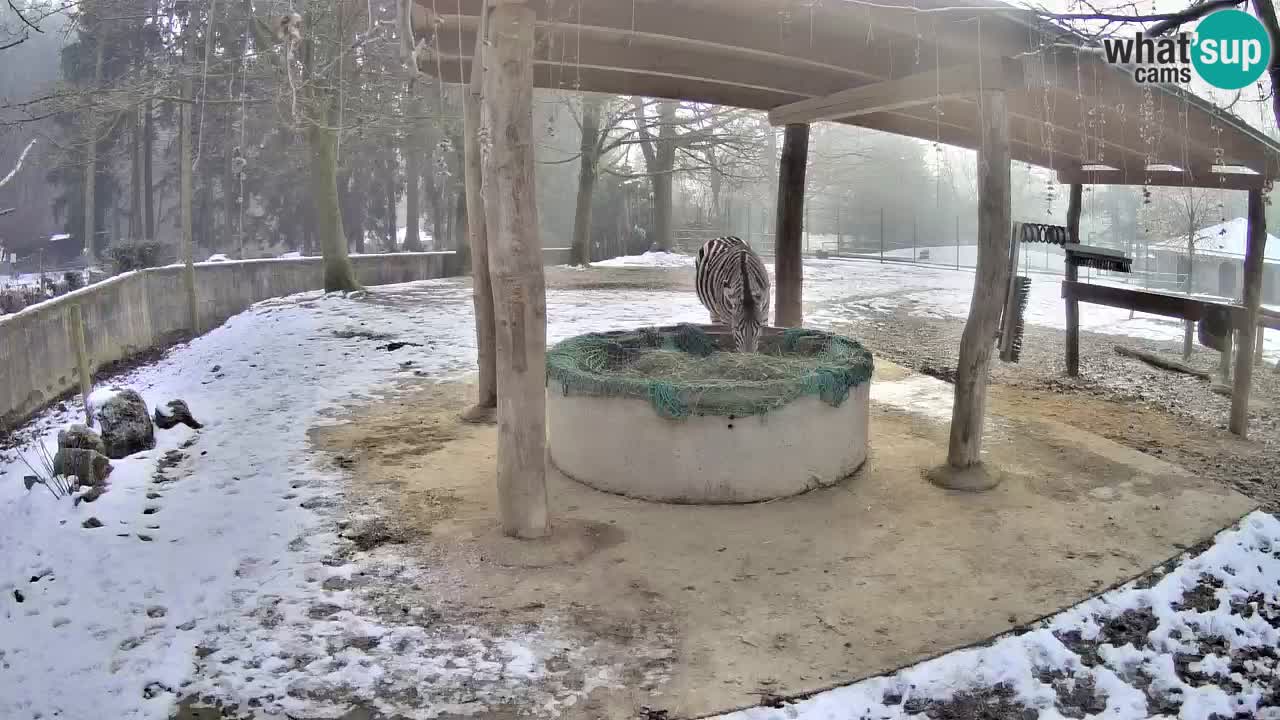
{"x":685,"y":370}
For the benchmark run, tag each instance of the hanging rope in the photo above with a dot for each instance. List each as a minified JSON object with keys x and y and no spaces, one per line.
{"x":204,"y":82}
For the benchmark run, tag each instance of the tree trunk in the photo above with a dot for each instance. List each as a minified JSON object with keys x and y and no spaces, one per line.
{"x":458,"y":230}
{"x":148,"y":184}
{"x":338,"y":273}
{"x":91,"y":161}
{"x":1189,"y":326}
{"x":662,"y":222}
{"x":413,"y":155}
{"x":392,"y":241}
{"x":228,"y":195}
{"x":477,"y":236}
{"x":581,"y":251}
{"x":788,"y":263}
{"x":184,"y":201}
{"x":991,"y":278}
{"x":135,"y":177}
{"x":519,"y":286}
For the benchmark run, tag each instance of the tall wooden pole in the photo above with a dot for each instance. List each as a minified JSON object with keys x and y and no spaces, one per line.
{"x":1074,"y":206}
{"x":515,"y":256}
{"x":964,"y":454}
{"x":481,"y":285}
{"x":1253,"y":255}
{"x":184,"y":196}
{"x":787,"y":258}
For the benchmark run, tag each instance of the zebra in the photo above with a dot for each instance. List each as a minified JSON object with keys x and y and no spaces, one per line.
{"x":733,"y":285}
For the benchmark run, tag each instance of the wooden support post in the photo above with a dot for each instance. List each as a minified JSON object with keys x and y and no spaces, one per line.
{"x":75,"y":324}
{"x":481,"y":284}
{"x":957,"y":242}
{"x":184,"y":194}
{"x":882,"y":235}
{"x":1074,"y":206}
{"x":963,"y":470}
{"x":788,"y":263}
{"x":515,"y":257}
{"x":1224,"y":357}
{"x":1258,"y":346}
{"x":1257,"y":243}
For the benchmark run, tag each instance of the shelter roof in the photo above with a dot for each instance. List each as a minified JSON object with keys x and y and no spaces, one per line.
{"x":913,"y":67}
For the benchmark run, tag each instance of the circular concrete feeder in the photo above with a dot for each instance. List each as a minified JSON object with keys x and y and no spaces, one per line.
{"x":619,"y":442}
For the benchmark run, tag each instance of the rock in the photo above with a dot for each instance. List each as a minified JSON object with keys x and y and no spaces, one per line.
{"x":90,"y":466}
{"x":90,"y":495}
{"x":81,"y":437}
{"x":178,"y":413}
{"x":126,"y":425}
{"x":91,"y":523}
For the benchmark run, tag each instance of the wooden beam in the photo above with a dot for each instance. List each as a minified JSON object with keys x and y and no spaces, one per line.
{"x":1074,"y":206}
{"x":969,"y":412}
{"x":1253,"y":258}
{"x":919,"y":89}
{"x":1163,"y":178}
{"x":515,"y":256}
{"x":1174,"y":306}
{"x":788,"y":267}
{"x":477,"y":237}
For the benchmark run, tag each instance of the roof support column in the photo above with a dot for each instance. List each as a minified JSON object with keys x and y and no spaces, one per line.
{"x":788,"y":263}
{"x":1252,"y":299}
{"x":963,"y":470}
{"x":1074,"y":206}
{"x":481,"y":286}
{"x":515,"y":259}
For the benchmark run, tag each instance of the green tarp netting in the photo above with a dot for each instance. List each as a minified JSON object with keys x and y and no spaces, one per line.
{"x":685,"y":370}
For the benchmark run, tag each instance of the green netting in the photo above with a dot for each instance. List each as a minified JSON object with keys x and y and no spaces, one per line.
{"x":685,"y":370}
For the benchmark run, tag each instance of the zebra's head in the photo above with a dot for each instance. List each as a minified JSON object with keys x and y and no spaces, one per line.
{"x":748,"y":304}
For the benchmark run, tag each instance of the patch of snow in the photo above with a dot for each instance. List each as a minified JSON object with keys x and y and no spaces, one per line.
{"x":649,"y":259}
{"x":218,"y":257}
{"x":919,"y":394}
{"x":101,"y":395}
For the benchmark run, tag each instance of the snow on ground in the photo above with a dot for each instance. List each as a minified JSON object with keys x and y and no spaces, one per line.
{"x":218,"y":544}
{"x":232,"y":554}
{"x":648,"y":259}
{"x":32,"y":279}
{"x":872,"y":287}
{"x":1180,"y":616}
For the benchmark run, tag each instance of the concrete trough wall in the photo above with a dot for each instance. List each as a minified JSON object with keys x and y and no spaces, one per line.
{"x":622,"y":446}
{"x":137,"y":311}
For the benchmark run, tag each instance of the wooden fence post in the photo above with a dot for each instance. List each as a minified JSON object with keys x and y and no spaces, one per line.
{"x":515,"y":256}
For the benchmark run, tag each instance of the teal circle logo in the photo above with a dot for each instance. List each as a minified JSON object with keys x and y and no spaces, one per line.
{"x":1231,"y":49}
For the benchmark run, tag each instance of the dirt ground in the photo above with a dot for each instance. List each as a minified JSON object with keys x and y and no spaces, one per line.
{"x":693,"y":610}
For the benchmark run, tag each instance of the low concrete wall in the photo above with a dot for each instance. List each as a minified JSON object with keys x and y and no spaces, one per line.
{"x":137,"y":311}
